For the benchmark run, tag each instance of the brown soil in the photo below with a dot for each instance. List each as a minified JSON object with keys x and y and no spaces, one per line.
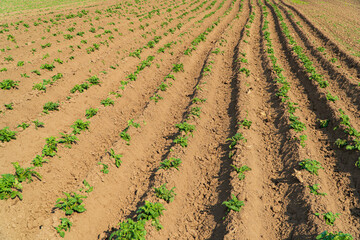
{"x":277,"y":200}
{"x":342,"y":26}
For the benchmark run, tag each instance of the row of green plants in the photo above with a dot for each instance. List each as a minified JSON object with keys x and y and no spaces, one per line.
{"x":351,"y":132}
{"x":298,"y":126}
{"x":310,"y":165}
{"x":135,"y":229}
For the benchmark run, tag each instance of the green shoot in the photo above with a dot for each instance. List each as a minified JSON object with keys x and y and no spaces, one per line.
{"x":235,"y":139}
{"x":186,"y":128}
{"x":23,"y":125}
{"x":6,"y":135}
{"x":7,"y":84}
{"x":68,"y":139}
{"x":170,"y":163}
{"x":38,"y":161}
{"x":91,"y":112}
{"x":181,"y":140}
{"x":312,"y":166}
{"x":314,"y":190}
{"x":234,"y":204}
{"x":117,"y":157}
{"x":87,"y":187}
{"x":79,"y":126}
{"x":107,"y":102}
{"x":71,"y":203}
{"x":151,"y":211}
{"x":51,"y":106}
{"x":65,"y":225}
{"x":105,"y":167}
{"x":50,"y":147}
{"x":38,"y":124}
{"x":130,"y":230}
{"x":241,"y":171}
{"x":164,"y":193}
{"x":334,"y":236}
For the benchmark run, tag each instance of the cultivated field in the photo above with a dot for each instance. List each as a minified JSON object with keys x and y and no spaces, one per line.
{"x":192,"y":119}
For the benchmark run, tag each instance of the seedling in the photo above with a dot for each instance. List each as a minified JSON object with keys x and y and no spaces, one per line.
{"x":65,"y":225}
{"x":9,"y":106}
{"x":181,"y":140}
{"x":245,"y":123}
{"x":321,"y":49}
{"x":38,"y":161}
{"x":241,"y":171}
{"x":178,"y":67}
{"x":9,"y":187}
{"x":234,"y":204}
{"x":357,"y":163}
{"x":51,"y":106}
{"x":50,"y":147}
{"x":296,"y":124}
{"x":79,"y":126}
{"x":186,"y":128}
{"x":116,"y":157}
{"x":7,"y":84}
{"x":314,"y":190}
{"x":47,"y":66}
{"x":329,"y":217}
{"x":156,"y":97}
{"x":71,"y":203}
{"x":9,"y":58}
{"x":163,"y":86}
{"x":94,"y":80}
{"x":170,"y":163}
{"x":6,"y":135}
{"x":245,"y":70}
{"x":37,"y":72}
{"x":165,"y":194}
{"x":199,"y":100}
{"x":80,"y":87}
{"x":234,"y":139}
{"x":124,"y":135}
{"x":151,"y":211}
{"x":132,"y":123}
{"x":195,"y":111}
{"x":334,"y":236}
{"x":324,"y":123}
{"x":331,"y":97}
{"x":312,"y":166}
{"x":107,"y":102}
{"x":302,"y":140}
{"x":23,"y":125}
{"x":130,"y":229}
{"x":105,"y":168}
{"x":68,"y":139}
{"x":38,"y":124}
{"x":91,"y":112}
{"x":87,"y":187}
{"x":23,"y":174}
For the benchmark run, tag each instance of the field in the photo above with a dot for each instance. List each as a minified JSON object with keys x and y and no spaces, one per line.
{"x":192,"y":119}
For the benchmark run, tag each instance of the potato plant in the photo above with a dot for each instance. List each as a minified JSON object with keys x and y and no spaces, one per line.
{"x":311,"y":166}
{"x":71,"y":203}
{"x":80,"y":126}
{"x":51,"y":106}
{"x":65,"y":225}
{"x":163,"y":193}
{"x":151,"y":211}
{"x":233,"y":204}
{"x":170,"y":163}
{"x":6,"y":135}
{"x":8,"y":84}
